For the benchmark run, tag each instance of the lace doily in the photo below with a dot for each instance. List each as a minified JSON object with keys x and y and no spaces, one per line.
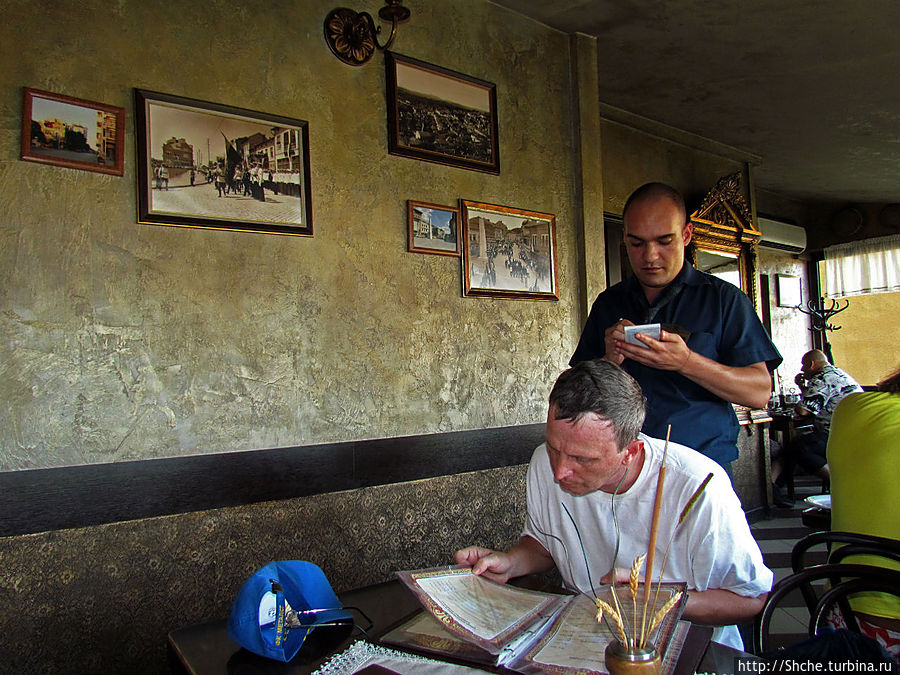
{"x":361,"y":654}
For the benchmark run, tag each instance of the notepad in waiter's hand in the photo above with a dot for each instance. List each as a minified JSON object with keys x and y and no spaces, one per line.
{"x":648,"y":329}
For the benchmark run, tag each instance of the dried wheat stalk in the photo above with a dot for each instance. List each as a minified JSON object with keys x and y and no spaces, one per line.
{"x":654,"y":528}
{"x":635,"y":573}
{"x":694,"y":497}
{"x":665,"y":609}
{"x":603,"y":606}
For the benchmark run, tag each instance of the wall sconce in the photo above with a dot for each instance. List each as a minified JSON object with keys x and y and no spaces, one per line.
{"x":352,"y":36}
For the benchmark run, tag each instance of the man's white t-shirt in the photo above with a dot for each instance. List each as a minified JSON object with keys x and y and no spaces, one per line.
{"x":712,"y":548}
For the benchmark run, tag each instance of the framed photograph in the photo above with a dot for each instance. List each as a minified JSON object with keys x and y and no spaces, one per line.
{"x":508,"y":253}
{"x":789,"y":289}
{"x":219,"y":167}
{"x":432,"y":228}
{"x":73,"y":133}
{"x":438,"y":115}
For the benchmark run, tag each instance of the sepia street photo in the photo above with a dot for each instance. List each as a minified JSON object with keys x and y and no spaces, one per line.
{"x":509,"y":252}
{"x":205,"y":165}
{"x":441,"y":116}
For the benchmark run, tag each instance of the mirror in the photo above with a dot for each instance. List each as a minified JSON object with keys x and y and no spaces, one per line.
{"x":725,"y":266}
{"x":724,"y":242}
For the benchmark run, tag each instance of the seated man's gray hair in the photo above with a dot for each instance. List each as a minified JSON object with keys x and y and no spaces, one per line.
{"x":602,"y":388}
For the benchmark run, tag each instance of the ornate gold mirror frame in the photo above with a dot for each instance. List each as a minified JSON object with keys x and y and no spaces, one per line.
{"x":725,"y":239}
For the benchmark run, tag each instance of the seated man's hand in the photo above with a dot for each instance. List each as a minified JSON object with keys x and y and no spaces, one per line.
{"x":622,"y":576}
{"x":492,"y":565}
{"x":800,"y":411}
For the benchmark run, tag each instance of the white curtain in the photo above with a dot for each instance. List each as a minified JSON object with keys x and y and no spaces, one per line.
{"x":862,"y":267}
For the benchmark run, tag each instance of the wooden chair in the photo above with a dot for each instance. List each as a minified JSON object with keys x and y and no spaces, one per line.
{"x":844,"y":581}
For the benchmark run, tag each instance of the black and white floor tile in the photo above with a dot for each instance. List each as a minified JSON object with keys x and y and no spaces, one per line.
{"x":776,"y":537}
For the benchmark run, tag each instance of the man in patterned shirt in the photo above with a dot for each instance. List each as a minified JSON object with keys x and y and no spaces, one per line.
{"x":822,"y":387}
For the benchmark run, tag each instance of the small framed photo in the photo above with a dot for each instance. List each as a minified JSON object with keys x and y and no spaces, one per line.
{"x":74,"y":133}
{"x":442,"y":116}
{"x":433,"y":228}
{"x":215,"y":166}
{"x":789,"y":290}
{"x":508,"y":252}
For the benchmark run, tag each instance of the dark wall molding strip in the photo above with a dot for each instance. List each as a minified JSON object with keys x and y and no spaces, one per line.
{"x":38,"y":500}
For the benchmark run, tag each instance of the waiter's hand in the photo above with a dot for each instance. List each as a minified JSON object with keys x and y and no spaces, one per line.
{"x":614,"y":336}
{"x":670,"y":352}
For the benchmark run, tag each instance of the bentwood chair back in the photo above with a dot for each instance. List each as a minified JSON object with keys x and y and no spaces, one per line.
{"x":828,"y":586}
{"x":850,"y":544}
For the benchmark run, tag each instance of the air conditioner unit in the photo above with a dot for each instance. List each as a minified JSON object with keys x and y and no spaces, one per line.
{"x":782,"y":236}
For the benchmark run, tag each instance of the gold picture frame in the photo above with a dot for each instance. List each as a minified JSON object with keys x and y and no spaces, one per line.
{"x":508,"y":252}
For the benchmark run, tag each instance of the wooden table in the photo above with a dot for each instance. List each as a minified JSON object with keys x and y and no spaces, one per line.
{"x":788,"y":426}
{"x":206,"y":649}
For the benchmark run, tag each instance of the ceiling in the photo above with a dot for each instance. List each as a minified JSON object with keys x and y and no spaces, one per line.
{"x":810,"y":86}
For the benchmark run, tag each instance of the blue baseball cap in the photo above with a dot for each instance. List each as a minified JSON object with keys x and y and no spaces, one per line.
{"x":280,"y":605}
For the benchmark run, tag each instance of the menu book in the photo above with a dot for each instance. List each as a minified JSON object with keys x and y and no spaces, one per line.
{"x":474,"y":620}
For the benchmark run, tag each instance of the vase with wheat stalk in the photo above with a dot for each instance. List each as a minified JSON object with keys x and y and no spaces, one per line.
{"x":633,"y":618}
{"x":633,"y":650}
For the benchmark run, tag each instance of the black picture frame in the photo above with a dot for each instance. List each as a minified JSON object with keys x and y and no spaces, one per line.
{"x":214,"y":166}
{"x":419,"y":93}
{"x":73,"y":133}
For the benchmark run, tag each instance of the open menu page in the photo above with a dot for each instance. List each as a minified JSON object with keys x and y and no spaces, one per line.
{"x":481,"y":611}
{"x":576,"y":643}
{"x":573,"y":645}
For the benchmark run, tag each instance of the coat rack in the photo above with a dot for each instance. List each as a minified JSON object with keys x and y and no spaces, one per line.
{"x":821,"y":315}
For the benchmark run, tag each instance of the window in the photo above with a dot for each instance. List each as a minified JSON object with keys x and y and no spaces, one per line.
{"x":861,"y":267}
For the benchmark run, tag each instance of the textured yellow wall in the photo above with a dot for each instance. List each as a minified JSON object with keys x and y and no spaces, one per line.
{"x":632,"y":157}
{"x":866,"y":346}
{"x":125,"y":341}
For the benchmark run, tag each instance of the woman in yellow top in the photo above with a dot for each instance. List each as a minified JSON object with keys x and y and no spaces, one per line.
{"x":864,"y":456}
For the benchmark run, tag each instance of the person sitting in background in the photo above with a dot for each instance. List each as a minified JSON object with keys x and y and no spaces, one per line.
{"x":822,"y":387}
{"x":863,"y":454}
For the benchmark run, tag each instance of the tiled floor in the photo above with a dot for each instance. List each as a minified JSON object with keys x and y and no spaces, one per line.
{"x":776,"y":537}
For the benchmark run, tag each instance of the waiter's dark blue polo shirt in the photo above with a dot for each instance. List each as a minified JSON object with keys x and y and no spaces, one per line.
{"x":723,"y":327}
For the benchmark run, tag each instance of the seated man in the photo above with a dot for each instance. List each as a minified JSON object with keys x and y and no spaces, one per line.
{"x":822,"y":387}
{"x":594,"y":454}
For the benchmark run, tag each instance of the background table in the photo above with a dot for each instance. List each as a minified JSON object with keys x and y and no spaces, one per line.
{"x":787,"y":426}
